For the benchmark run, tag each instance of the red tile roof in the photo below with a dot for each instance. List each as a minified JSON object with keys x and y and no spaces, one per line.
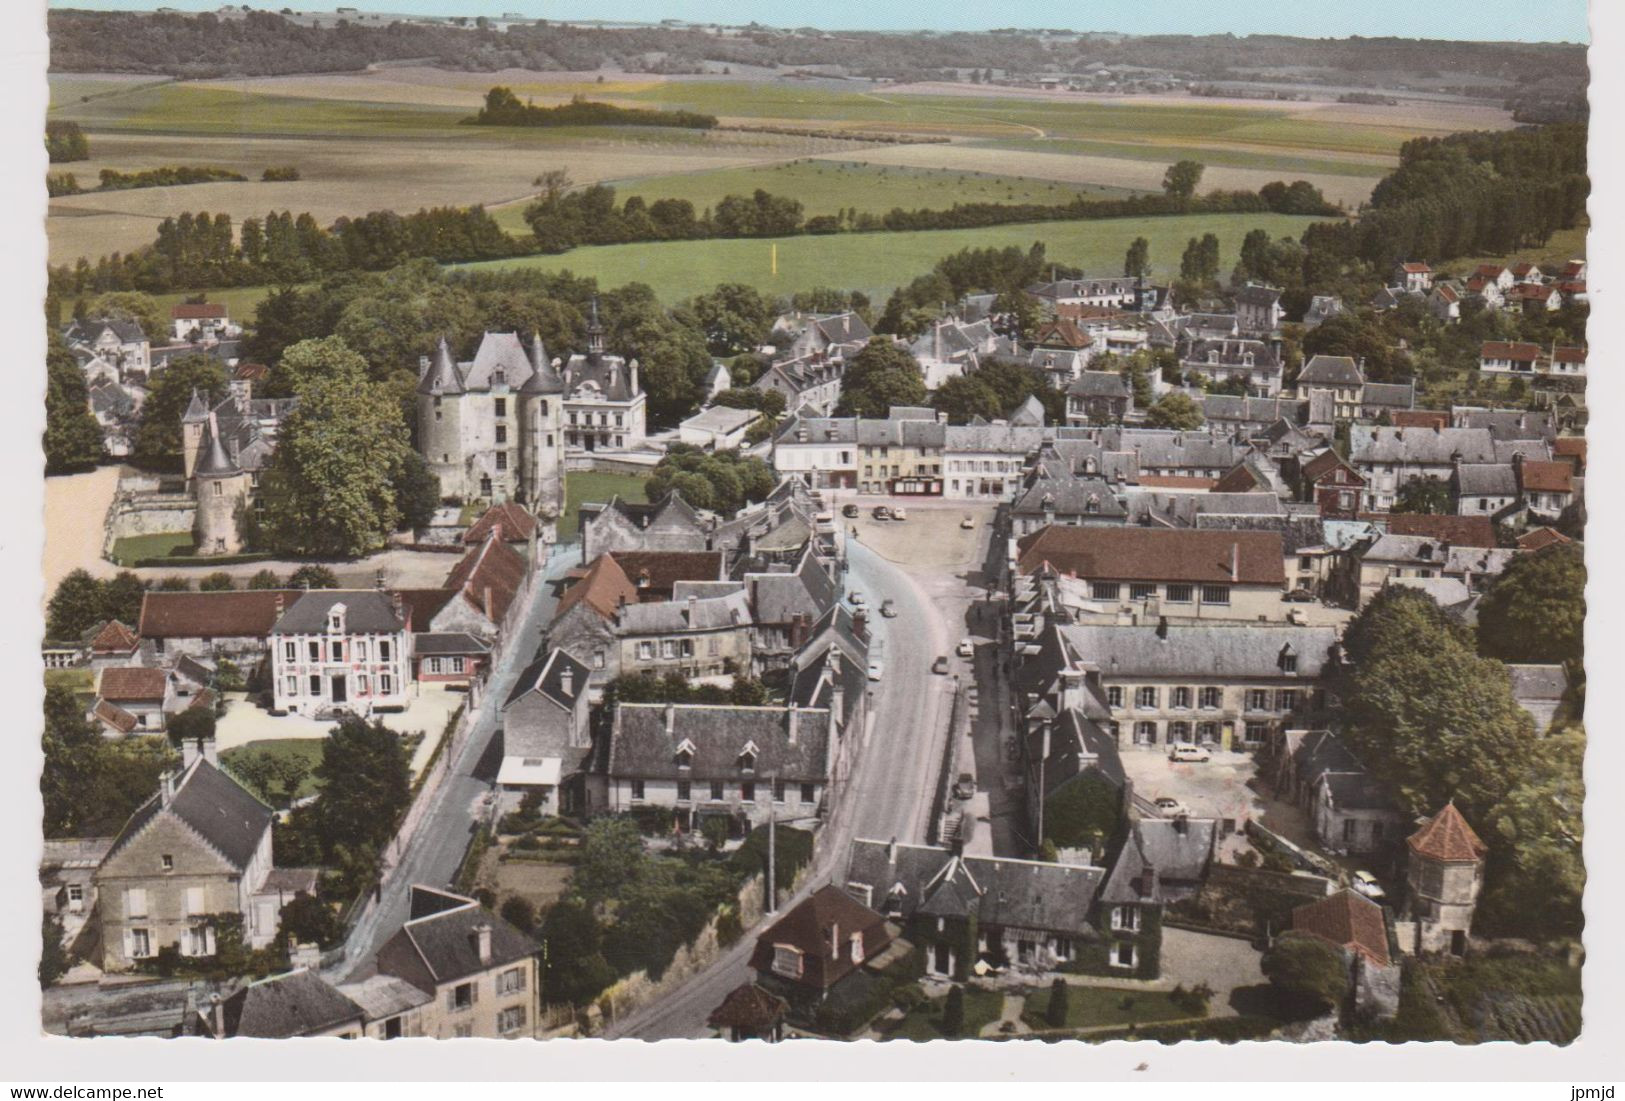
{"x":490,"y":577}
{"x":513,"y":521}
{"x":1416,"y":268}
{"x":749,"y":1007}
{"x":604,"y":588}
{"x":1541,"y":538}
{"x":1347,"y":920}
{"x":829,"y":910}
{"x":1156,"y":554}
{"x":1062,"y":333}
{"x":1571,"y":447}
{"x":1324,"y":463}
{"x":422,"y":605}
{"x":656,"y":572}
{"x":1420,"y":418}
{"x":114,"y":638}
{"x":248,"y":613}
{"x":1490,"y":271}
{"x":1447,"y":292}
{"x":1501,"y":349}
{"x":187,"y":310}
{"x":1447,"y":837}
{"x":1241,"y":478}
{"x":250,"y":372}
{"x":115,"y":716}
{"x":1547,"y":477}
{"x":132,"y":683}
{"x":1460,"y":531}
{"x":1537,"y":291}
{"x":1563,"y":354}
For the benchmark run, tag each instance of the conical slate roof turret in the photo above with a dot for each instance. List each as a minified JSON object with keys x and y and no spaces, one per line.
{"x":595,"y":332}
{"x":213,"y":460}
{"x":543,"y":379}
{"x":196,"y":409}
{"x":442,"y":376}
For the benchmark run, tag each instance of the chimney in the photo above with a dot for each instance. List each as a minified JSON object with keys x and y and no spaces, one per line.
{"x":1182,"y":824}
{"x":567,"y":681}
{"x":1150,"y":883}
{"x":795,"y":723}
{"x":835,"y":940}
{"x":308,"y":956}
{"x":400,"y":608}
{"x":1162,"y":629}
{"x":166,"y":788}
{"x":489,"y":606}
{"x":217,"y":1016}
{"x":692,"y":601}
{"x":860,"y":623}
{"x":671,"y":719}
{"x":1235,"y":562}
{"x":482,"y":941}
{"x":378,"y":580}
{"x":891,"y":851}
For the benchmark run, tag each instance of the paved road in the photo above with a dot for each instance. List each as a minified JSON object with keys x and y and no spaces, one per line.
{"x":442,"y":837}
{"x":889,"y":794}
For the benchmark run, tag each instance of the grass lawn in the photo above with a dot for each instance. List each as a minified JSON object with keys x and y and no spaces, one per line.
{"x":876,"y":263}
{"x":1564,"y":245}
{"x":924,"y":1022}
{"x":74,"y":680}
{"x":133,"y":548}
{"x":1230,"y":158}
{"x":306,"y":752}
{"x":594,"y":485}
{"x":1097,"y":1006}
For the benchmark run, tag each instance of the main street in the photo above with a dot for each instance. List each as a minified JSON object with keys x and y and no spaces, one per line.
{"x":437,"y":847}
{"x":892,"y":783}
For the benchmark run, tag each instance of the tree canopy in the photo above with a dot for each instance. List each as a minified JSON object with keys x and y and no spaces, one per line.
{"x":1309,"y":973}
{"x":73,"y":439}
{"x":722,"y":481}
{"x":1535,"y":610}
{"x":1174,"y":410}
{"x":882,"y":375}
{"x":157,"y":443}
{"x":1182,"y":178}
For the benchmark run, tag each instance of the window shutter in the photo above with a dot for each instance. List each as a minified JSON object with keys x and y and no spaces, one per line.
{"x":474,"y":988}
{"x":451,"y":999}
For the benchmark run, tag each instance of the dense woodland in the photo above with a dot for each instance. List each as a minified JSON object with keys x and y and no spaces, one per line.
{"x":265,"y":44}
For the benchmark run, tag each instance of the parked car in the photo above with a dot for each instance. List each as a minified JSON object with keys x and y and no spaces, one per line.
{"x":966,"y":648}
{"x":1170,"y":807}
{"x":881,"y":512}
{"x":855,"y":598}
{"x":1367,"y":885}
{"x":899,"y":514}
{"x":1189,"y":753}
{"x":965,"y":786}
{"x":888,"y":608}
{"x":940,"y":666}
{"x":1300,"y":595}
{"x":850,"y":511}
{"x":876,"y":670}
{"x":968,"y":523}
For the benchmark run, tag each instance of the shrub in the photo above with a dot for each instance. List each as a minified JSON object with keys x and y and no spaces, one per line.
{"x":715,"y":832}
{"x":1055,"y":1013}
{"x":729,"y":927}
{"x":953,"y":1012}
{"x":280,"y":173}
{"x":518,"y":912}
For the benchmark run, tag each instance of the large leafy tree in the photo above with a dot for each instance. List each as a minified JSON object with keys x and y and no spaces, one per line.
{"x":73,"y":439}
{"x":331,"y":486}
{"x":1174,"y":410}
{"x":735,"y":317}
{"x":1309,"y":974}
{"x":1536,"y":834}
{"x":157,"y":443}
{"x":881,"y":376}
{"x":1424,"y":495}
{"x":366,"y":785}
{"x":723,"y":481}
{"x":318,"y":358}
{"x":1181,"y":179}
{"x":573,"y":966}
{"x":1535,"y":610}
{"x":967,"y":396}
{"x":81,"y":602}
{"x":143,"y":309}
{"x":1429,"y":716}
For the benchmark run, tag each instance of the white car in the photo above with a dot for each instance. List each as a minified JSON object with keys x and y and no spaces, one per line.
{"x":1189,"y":753}
{"x":1367,"y":885}
{"x":876,"y":670}
{"x":899,"y":514}
{"x":855,"y":598}
{"x":966,"y":648}
{"x":968,"y":523}
{"x":1170,"y":807}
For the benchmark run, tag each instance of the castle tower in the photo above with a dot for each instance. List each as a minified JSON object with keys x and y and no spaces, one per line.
{"x":221,"y":486}
{"x":1444,"y":875}
{"x":541,"y":428}
{"x":193,"y":422}
{"x":440,"y":423}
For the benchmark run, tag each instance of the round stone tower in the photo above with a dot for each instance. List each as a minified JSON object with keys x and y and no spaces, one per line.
{"x":440,"y":423}
{"x":541,"y":431}
{"x":221,"y":486}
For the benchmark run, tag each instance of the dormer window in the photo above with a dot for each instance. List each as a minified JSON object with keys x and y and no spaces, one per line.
{"x":747,"y":757}
{"x":1288,"y":659}
{"x":787,"y":961}
{"x":335,"y":619}
{"x":685,"y":754}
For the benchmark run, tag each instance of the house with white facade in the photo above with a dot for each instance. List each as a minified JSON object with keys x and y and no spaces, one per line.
{"x":340,"y":650}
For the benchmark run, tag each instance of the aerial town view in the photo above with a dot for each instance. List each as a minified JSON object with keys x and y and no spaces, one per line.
{"x":650,"y":529}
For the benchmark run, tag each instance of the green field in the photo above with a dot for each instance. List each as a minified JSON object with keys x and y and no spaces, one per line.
{"x":830,"y":186}
{"x":133,"y":548}
{"x":1167,"y":154}
{"x":594,"y":485}
{"x":877,"y":263}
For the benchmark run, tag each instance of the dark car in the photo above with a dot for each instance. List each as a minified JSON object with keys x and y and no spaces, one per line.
{"x":1300,"y":596}
{"x":940,"y":665}
{"x":965,"y":786}
{"x":881,"y":512}
{"x":849,"y":511}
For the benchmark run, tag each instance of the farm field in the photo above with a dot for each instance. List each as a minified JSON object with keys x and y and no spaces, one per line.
{"x":877,"y":263}
{"x":829,"y":186}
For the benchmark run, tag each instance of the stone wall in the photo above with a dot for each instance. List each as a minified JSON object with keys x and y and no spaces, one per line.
{"x":146,"y":513}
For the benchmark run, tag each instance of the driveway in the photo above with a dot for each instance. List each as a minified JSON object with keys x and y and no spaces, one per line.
{"x":426,"y":713}
{"x":1218,"y":788}
{"x":76,"y":524}
{"x":1224,"y":963}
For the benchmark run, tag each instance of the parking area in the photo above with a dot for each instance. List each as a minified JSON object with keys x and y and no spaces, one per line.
{"x":932,"y":536}
{"x":426,"y":713}
{"x":1217,"y":788}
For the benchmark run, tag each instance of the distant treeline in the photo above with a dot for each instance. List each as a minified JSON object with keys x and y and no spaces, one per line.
{"x":843,"y":135}
{"x":64,"y":142}
{"x":1466,"y":194}
{"x":561,"y":221}
{"x":502,"y":108}
{"x":66,"y":183}
{"x":194,"y":251}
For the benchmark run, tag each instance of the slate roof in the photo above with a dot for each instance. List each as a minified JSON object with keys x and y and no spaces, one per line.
{"x":382,"y":996}
{"x":1002,"y":891}
{"x":1346,"y":920}
{"x":1029,"y":414}
{"x":1164,"y":860}
{"x":807,"y":926}
{"x":1331,"y":371}
{"x":1388,"y":395}
{"x":437,"y":643}
{"x":1486,"y":480}
{"x":1230,"y":352}
{"x":1357,"y":791}
{"x":132,"y":684}
{"x":1436,"y":447}
{"x":1538,"y":682}
{"x":366,"y":611}
{"x":690,"y":614}
{"x":224,"y":812}
{"x":1257,"y":294}
{"x":641,"y":745}
{"x":1143,"y":554}
{"x":299,"y":1003}
{"x":1510,"y":424}
{"x":1250,"y":410}
{"x":1447,"y":837}
{"x":1507,"y":450}
{"x":90,"y":329}
{"x":549,"y":674}
{"x":448,"y":944}
{"x":919,"y":434}
{"x":512,"y":520}
{"x":1227,"y":651}
{"x":1099,"y":384}
{"x":1068,"y":496}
